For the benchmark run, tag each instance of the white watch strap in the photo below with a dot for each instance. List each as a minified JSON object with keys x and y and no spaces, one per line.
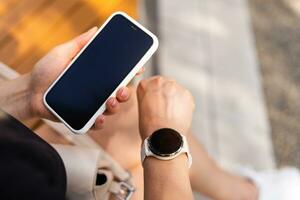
{"x":145,"y":152}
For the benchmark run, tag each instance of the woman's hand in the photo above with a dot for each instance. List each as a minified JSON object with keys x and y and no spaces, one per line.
{"x":49,"y":68}
{"x":23,"y":97}
{"x":164,"y":104}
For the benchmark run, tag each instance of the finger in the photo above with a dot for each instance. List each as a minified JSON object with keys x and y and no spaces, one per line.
{"x":71,"y":49}
{"x":99,"y":123}
{"x":112,"y":106}
{"x":123,"y":94}
{"x":142,"y":70}
{"x":84,"y":38}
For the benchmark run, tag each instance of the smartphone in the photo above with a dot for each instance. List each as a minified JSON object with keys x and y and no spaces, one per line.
{"x":109,"y":61}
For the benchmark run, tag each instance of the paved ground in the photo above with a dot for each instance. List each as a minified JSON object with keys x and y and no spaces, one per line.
{"x":277,"y":30}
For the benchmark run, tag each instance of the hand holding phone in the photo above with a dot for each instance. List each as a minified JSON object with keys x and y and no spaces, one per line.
{"x":108,"y":62}
{"x":49,"y":68}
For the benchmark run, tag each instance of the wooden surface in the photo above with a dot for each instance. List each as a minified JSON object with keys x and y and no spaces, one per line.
{"x":30,"y":28}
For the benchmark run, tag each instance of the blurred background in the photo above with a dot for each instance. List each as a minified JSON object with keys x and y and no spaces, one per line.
{"x":277,"y":32}
{"x":239,"y":58}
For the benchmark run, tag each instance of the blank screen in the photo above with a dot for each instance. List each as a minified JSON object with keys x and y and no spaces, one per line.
{"x":98,"y":71}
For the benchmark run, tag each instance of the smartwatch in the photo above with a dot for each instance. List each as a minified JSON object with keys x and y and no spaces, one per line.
{"x":165,"y":144}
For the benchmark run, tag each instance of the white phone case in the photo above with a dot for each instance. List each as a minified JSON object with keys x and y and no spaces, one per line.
{"x":127,"y":79}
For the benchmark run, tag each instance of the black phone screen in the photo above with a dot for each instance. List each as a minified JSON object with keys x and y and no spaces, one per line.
{"x":98,"y":71}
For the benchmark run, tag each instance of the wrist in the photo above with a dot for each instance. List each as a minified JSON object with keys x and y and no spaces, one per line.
{"x":24,"y":83}
{"x":25,"y":80}
{"x":148,"y":130}
{"x":15,"y":97}
{"x":181,"y":161}
{"x":165,"y":177}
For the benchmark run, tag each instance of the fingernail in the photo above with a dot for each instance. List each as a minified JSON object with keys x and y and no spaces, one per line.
{"x":101,"y":119}
{"x":113,"y":102}
{"x":124,"y":93}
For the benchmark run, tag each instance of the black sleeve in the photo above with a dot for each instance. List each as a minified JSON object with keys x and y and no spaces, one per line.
{"x":30,"y":168}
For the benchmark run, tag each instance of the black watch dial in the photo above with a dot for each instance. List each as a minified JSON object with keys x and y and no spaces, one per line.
{"x":165,"y":142}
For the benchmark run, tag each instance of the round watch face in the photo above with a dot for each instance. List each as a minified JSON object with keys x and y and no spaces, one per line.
{"x":165,"y":142}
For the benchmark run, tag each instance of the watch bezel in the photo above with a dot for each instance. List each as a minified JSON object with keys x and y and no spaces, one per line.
{"x":165,"y":155}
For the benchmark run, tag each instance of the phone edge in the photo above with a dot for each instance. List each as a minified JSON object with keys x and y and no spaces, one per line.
{"x":125,"y":81}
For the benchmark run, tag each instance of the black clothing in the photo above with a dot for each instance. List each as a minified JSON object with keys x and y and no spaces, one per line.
{"x":30,"y":169}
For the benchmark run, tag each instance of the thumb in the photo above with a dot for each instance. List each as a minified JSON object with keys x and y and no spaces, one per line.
{"x":84,"y":38}
{"x":72,"y":47}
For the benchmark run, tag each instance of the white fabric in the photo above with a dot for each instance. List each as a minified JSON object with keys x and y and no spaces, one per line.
{"x":283,"y":184}
{"x":81,"y":167}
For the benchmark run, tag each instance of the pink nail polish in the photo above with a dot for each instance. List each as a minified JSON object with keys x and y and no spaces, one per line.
{"x":101,"y":119}
{"x":113,"y":102}
{"x":124,"y":94}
